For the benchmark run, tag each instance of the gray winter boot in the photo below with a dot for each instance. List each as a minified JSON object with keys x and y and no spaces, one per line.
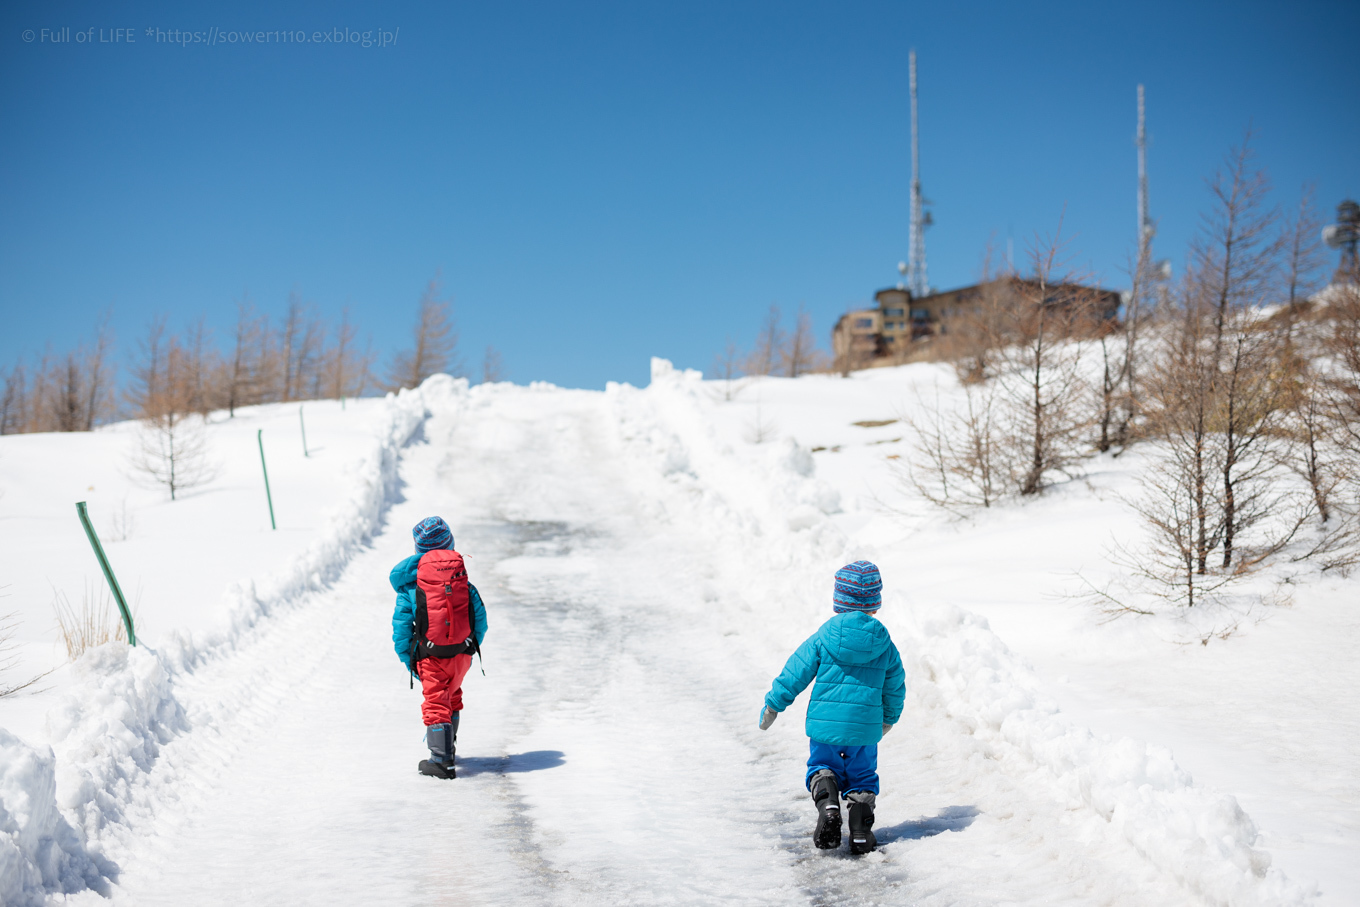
{"x":862,"y":838}
{"x":827,"y":796}
{"x":439,"y":738}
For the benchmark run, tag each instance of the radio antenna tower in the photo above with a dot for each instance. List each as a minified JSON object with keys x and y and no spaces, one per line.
{"x":1145,"y":227}
{"x":917,"y":281}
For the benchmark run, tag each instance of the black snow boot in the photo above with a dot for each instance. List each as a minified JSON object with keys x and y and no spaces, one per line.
{"x":862,"y":838}
{"x":827,"y":796}
{"x":439,"y":738}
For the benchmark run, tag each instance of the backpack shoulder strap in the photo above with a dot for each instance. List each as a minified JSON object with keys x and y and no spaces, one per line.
{"x":472,"y":628}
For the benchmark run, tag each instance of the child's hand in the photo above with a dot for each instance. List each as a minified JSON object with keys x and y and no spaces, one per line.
{"x":886,"y":728}
{"x":767,"y":718}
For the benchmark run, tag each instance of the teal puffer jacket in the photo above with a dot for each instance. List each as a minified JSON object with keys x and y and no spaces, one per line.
{"x":860,"y":682}
{"x":403,"y":579}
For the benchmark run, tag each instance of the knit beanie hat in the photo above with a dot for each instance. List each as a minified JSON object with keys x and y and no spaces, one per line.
{"x":858,"y":588}
{"x":432,"y":533}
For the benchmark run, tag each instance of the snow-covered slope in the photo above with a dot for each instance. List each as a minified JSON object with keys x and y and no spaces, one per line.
{"x":647,"y":569}
{"x":1266,"y":715}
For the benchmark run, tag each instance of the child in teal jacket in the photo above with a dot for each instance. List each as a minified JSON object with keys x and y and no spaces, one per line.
{"x":441,"y":677}
{"x":858,"y":698}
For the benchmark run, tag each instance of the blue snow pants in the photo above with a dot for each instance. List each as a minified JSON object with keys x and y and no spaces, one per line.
{"x":855,"y":767}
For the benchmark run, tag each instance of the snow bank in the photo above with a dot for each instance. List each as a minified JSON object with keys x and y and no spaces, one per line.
{"x":372,"y":480}
{"x":39,"y":851}
{"x":765,"y":502}
{"x":108,"y":732}
{"x":1200,"y":837}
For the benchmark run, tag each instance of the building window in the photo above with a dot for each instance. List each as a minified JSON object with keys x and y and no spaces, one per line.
{"x":894,"y":313}
{"x":920,"y":314}
{"x":864,"y":322}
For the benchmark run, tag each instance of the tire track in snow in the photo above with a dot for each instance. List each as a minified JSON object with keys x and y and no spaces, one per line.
{"x":625,"y":819}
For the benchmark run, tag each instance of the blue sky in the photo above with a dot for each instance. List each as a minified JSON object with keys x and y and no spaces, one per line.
{"x":601,"y":183}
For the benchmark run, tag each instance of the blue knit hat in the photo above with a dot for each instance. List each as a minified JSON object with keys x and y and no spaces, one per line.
{"x":858,"y":588}
{"x":432,"y":533}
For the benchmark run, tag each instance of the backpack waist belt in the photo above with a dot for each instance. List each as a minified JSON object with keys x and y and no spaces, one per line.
{"x":427,"y":649}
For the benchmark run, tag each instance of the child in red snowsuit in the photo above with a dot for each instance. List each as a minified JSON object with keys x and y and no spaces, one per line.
{"x":438,"y":623}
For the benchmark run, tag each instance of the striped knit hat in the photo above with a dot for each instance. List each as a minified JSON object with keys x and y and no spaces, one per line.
{"x":432,"y":533}
{"x":858,"y":588}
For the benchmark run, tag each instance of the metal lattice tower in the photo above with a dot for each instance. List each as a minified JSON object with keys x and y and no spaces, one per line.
{"x":1146,"y":229}
{"x":1345,"y":235}
{"x":917,"y":281}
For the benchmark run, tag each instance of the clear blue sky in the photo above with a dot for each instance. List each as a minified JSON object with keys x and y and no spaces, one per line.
{"x":599,"y":183}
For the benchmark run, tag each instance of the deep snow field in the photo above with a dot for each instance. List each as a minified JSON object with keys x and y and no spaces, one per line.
{"x":647,"y":568}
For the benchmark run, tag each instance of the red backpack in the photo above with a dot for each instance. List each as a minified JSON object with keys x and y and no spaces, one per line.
{"x":444,"y":623}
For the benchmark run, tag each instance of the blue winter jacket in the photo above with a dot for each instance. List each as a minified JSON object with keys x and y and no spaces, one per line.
{"x":404,"y":616}
{"x":860,"y":682}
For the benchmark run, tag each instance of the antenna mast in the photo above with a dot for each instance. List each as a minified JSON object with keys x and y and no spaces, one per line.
{"x":1145,"y":228}
{"x":917,"y":282}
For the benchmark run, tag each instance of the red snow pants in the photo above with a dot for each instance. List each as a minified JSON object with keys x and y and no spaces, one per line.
{"x":441,"y":679}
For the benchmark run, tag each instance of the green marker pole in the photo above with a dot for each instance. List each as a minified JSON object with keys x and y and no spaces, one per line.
{"x":108,"y":571}
{"x":259,"y":436}
{"x":303,"y":423}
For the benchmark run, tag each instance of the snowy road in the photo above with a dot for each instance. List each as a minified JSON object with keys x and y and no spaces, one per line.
{"x":609,"y":755}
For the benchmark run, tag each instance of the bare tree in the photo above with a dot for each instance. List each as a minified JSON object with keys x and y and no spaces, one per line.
{"x":149,"y":385}
{"x":1231,"y":401}
{"x":173,"y":452}
{"x":493,"y":368}
{"x":99,"y":374}
{"x":1236,"y":254}
{"x":1343,"y":343}
{"x":14,"y":401}
{"x":799,"y":352}
{"x":198,"y":363}
{"x":770,"y":344}
{"x":1179,"y":503}
{"x":1250,"y":407}
{"x":1114,"y":406}
{"x":972,"y":334}
{"x":727,"y":367}
{"x":1326,"y":430}
{"x":760,"y":428}
{"x":1172,"y":507}
{"x":1118,"y":396}
{"x":1315,"y":454}
{"x":172,"y":447}
{"x":1236,"y":260}
{"x":73,"y":391}
{"x":346,"y":368}
{"x":67,"y":402}
{"x":1041,"y":379}
{"x":1024,"y":414}
{"x":1305,"y":256}
{"x":299,"y":348}
{"x":959,"y":458}
{"x":1179,"y":403}
{"x":1122,"y":356}
{"x":9,"y":657}
{"x":435,"y":343}
{"x":243,"y":377}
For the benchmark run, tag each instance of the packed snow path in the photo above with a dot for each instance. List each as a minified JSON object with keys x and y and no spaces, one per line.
{"x":610,"y":753}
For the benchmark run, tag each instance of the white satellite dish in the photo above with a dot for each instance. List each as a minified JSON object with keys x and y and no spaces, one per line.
{"x":1338,"y":235}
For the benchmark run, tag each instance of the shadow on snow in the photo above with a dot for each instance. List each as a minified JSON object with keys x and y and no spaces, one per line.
{"x":951,"y":818}
{"x":510,"y":765}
